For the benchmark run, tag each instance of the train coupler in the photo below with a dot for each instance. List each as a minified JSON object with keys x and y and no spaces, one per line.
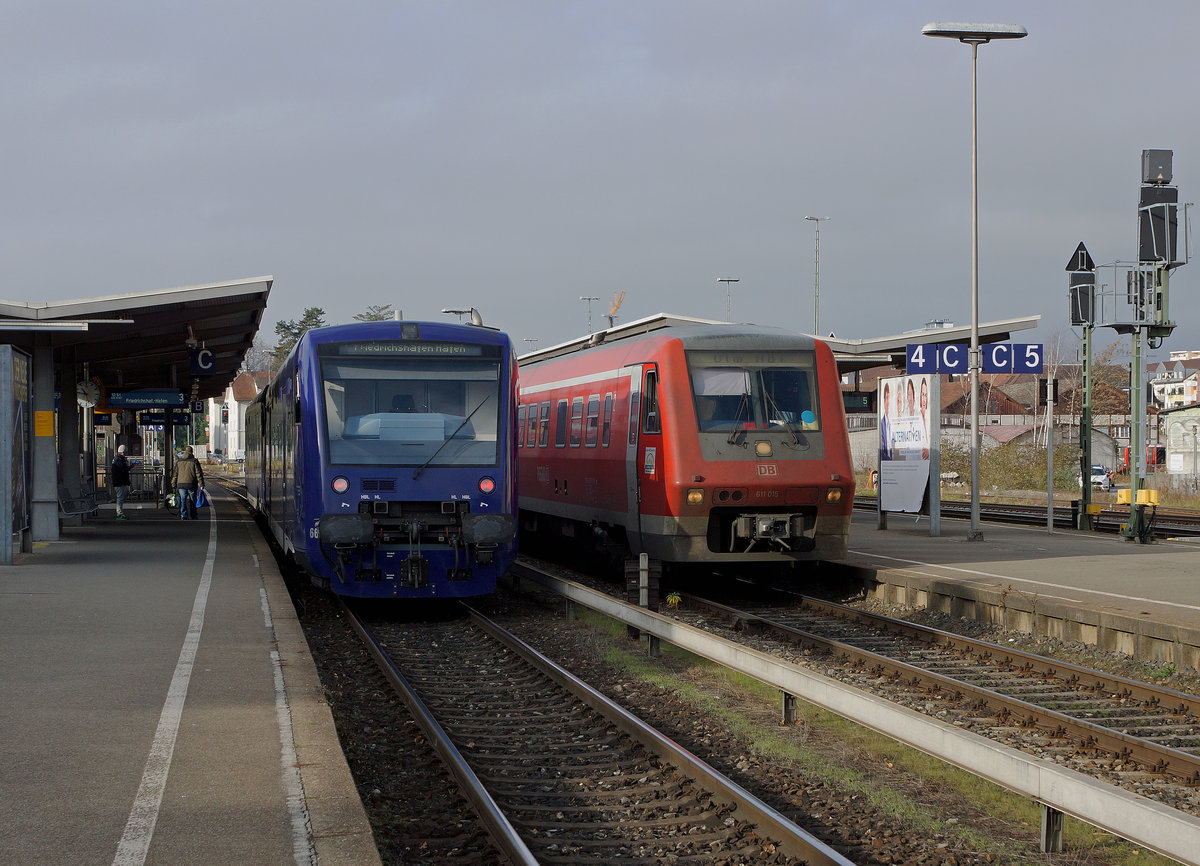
{"x":414,"y":572}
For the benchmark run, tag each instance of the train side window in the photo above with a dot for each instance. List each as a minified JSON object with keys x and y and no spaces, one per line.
{"x":521,"y":425}
{"x":560,"y":425}
{"x":531,"y":426}
{"x":544,"y":426}
{"x":576,"y":421}
{"x":651,"y":423}
{"x":593,"y":421}
{"x":606,"y":426}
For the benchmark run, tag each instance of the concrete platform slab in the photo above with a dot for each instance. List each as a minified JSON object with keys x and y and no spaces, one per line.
{"x":152,"y":669}
{"x":1139,"y":599}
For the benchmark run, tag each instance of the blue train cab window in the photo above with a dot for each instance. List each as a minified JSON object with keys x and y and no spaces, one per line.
{"x":544,"y":426}
{"x":521,"y":426}
{"x":651,"y":422}
{"x":592,"y":429}
{"x":396,"y":404}
{"x":606,"y":425}
{"x":576,"y":421}
{"x":560,"y":425}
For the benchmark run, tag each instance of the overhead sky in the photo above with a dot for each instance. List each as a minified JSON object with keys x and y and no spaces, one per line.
{"x":515,"y":156}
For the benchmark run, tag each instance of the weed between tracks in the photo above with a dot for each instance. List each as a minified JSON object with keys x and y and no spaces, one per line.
{"x":919,"y":792}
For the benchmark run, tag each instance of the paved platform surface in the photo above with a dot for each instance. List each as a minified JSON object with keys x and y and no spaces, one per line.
{"x":1084,"y":568}
{"x":1143,"y":599}
{"x":160,"y":704}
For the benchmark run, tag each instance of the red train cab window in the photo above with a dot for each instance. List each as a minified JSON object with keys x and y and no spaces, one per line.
{"x":606,"y":424}
{"x":592,"y":430}
{"x":520,"y":426}
{"x":651,"y":422}
{"x":544,"y":426}
{"x":560,"y":425}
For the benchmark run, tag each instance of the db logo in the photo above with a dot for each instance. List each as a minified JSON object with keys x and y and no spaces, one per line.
{"x":767,"y":469}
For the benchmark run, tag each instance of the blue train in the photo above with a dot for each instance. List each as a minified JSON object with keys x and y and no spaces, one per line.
{"x":382,"y":458}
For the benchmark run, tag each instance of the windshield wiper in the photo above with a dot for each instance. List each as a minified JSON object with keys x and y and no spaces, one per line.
{"x":743,"y":404}
{"x":421,"y":468}
{"x":773,"y":406}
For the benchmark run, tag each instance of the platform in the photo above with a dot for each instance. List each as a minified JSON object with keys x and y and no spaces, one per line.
{"x":1139,"y":599}
{"x":161,"y":705}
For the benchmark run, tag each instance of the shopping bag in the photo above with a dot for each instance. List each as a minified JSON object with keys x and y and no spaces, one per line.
{"x":201,"y":498}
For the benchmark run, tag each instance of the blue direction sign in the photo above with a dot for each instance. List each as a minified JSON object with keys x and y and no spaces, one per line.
{"x":954,"y":358}
{"x":178,"y":417}
{"x":146,"y":398}
{"x":204,"y":362}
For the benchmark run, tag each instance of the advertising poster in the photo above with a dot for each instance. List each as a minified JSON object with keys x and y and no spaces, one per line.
{"x":904,"y":442}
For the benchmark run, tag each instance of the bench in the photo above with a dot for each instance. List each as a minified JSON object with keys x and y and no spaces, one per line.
{"x":71,"y":506}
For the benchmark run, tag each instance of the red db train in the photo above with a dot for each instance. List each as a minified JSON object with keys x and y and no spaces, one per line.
{"x":690,"y":440}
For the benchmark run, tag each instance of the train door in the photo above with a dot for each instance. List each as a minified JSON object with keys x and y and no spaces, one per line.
{"x":633,"y":524}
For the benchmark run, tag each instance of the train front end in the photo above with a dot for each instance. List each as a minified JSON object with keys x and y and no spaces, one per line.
{"x":415,"y":494}
{"x":766,"y":473}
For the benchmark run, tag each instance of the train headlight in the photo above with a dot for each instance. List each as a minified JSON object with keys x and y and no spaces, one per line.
{"x":833,"y":494}
{"x":487,"y":485}
{"x":339,"y":484}
{"x":695,"y":496}
{"x":762,"y":448}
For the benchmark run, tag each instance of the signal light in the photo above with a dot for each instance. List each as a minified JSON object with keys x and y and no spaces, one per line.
{"x":486,"y":485}
{"x":340,"y":484}
{"x":834,"y":494}
{"x":695,"y":496}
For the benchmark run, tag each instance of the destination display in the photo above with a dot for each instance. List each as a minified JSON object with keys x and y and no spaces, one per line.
{"x":146,"y":398}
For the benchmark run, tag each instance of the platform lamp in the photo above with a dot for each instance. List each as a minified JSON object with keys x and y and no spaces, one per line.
{"x":728,"y":296}
{"x":816,"y":221}
{"x":589,"y":300}
{"x":974,"y":35}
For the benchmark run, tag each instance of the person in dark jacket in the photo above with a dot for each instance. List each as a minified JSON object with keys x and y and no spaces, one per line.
{"x":187,"y":478}
{"x":120,"y":480}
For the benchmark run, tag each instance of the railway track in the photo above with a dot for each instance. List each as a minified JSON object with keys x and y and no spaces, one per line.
{"x":1138,"y":734}
{"x":557,"y":772}
{"x":1108,"y":735}
{"x":1167,"y":522}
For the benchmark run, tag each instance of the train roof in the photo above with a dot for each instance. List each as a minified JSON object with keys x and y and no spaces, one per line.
{"x":700,"y":328}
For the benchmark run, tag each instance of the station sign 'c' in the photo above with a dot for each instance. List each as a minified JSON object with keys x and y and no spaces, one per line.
{"x":951,"y":358}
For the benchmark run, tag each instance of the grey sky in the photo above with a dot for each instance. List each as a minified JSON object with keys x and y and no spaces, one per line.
{"x":514,"y":156}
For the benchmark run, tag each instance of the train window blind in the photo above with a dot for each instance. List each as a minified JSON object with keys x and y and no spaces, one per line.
{"x":560,"y":425}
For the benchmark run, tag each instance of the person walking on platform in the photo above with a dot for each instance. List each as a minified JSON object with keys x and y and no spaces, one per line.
{"x":187,"y":478}
{"x":120,"y":480}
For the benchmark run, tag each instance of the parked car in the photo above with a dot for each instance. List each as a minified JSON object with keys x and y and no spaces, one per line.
{"x":1100,"y":476}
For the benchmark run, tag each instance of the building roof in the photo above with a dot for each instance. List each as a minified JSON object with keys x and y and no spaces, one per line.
{"x":145,"y":339}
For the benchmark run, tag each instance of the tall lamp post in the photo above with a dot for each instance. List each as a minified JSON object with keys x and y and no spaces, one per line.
{"x":974,"y":35}
{"x":817,"y":274}
{"x":728,"y":296}
{"x":589,"y":303}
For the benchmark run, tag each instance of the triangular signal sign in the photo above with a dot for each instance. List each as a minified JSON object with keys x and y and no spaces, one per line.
{"x":1081,"y":260}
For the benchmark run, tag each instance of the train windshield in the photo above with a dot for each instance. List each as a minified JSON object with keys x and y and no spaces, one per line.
{"x":407,"y":409}
{"x":754,"y":390}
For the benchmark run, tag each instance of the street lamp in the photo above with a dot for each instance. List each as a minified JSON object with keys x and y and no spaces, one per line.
{"x":974,"y":35}
{"x":817,"y":275}
{"x":589,"y":300}
{"x":728,"y":296}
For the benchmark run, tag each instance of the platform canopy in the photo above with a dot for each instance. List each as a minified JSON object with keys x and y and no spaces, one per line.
{"x":146,"y":339}
{"x":854,"y":355}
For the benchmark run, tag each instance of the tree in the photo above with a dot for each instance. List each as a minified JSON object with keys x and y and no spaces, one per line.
{"x":376,"y":313}
{"x":290,"y":331}
{"x":259,"y":357}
